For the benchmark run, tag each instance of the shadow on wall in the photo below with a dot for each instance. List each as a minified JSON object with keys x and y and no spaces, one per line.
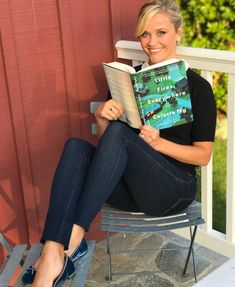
{"x":51,"y":115}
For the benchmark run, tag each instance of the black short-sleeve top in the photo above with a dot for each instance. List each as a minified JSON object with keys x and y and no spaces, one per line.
{"x":204,"y":119}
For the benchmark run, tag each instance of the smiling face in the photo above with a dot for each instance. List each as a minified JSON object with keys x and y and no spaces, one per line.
{"x":160,"y":38}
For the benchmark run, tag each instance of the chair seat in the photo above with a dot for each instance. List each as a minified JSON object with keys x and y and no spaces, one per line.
{"x":113,"y":219}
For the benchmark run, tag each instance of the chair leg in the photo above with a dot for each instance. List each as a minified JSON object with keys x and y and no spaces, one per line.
{"x":194,"y":263}
{"x":193,"y":235}
{"x":110,"y":271}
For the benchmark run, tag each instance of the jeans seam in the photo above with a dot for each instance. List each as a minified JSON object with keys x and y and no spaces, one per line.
{"x":69,"y":202}
{"x":157,"y":163}
{"x":114,"y":170}
{"x":178,"y":201}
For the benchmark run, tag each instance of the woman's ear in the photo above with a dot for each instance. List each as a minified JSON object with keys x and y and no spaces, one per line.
{"x":179,"y":33}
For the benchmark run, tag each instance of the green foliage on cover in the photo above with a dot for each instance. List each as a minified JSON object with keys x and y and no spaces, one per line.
{"x":210,"y":24}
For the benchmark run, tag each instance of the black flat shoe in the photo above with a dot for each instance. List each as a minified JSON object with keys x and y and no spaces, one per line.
{"x":28,"y":275}
{"x":80,"y":251}
{"x":67,"y":272}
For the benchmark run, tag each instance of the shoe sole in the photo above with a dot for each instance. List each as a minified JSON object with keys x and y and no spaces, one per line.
{"x":71,"y":275}
{"x":74,"y":261}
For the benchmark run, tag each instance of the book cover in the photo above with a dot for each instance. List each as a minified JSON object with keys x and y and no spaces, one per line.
{"x":162,"y":95}
{"x":157,"y":95}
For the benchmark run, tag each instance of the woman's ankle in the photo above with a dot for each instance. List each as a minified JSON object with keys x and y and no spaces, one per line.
{"x":76,"y":237}
{"x":53,"y":245}
{"x":53,"y":250}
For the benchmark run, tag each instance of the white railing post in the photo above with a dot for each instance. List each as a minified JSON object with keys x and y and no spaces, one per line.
{"x":206,"y":196}
{"x":230,"y":196}
{"x":206,"y":180}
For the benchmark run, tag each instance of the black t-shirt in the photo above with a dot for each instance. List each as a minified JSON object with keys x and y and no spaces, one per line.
{"x":204,"y":119}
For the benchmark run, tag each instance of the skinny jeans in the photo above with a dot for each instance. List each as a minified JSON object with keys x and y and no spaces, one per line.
{"x":124,"y":171}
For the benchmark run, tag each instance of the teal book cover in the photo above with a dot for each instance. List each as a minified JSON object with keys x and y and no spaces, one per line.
{"x":162,"y":95}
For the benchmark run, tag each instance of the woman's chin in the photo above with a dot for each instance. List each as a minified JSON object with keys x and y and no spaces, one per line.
{"x":155,"y":59}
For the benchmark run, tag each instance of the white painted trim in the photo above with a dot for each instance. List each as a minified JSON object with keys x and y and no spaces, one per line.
{"x":213,"y":240}
{"x":207,"y":59}
{"x":230,"y":197}
{"x":222,"y":276}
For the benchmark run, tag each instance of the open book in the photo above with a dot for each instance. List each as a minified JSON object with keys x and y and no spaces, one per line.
{"x":157,"y":95}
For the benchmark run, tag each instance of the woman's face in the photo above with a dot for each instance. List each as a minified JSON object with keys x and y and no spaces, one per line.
{"x":159,"y":39}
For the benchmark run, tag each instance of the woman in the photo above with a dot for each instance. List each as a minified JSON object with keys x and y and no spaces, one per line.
{"x":139,"y":170}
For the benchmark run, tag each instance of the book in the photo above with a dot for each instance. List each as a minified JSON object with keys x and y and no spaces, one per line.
{"x":157,"y":95}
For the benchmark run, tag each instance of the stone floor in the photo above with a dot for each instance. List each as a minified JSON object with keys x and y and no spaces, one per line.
{"x":169,"y":263}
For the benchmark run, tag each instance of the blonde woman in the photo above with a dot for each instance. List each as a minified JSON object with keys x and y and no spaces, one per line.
{"x":136,"y":170}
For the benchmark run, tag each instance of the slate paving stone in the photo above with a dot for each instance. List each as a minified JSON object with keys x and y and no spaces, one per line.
{"x":144,"y":281}
{"x":173,"y":261}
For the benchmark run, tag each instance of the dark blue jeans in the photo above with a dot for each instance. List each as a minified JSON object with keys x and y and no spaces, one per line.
{"x":122,"y":170}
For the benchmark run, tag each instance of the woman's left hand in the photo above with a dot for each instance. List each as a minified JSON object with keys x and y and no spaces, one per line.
{"x":149,"y":135}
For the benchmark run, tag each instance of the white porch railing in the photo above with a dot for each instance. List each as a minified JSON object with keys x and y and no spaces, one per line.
{"x":207,"y":61}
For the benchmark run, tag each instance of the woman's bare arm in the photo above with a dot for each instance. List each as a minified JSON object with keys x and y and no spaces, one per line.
{"x":199,"y":153}
{"x":105,"y":113}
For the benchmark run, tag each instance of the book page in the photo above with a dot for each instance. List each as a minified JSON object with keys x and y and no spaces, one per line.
{"x":121,"y":66}
{"x":163,"y":63}
{"x":121,"y":90}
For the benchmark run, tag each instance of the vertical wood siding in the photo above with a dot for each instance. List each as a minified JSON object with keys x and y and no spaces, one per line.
{"x":50,"y":69}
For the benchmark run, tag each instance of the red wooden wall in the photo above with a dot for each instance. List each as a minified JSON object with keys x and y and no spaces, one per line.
{"x":50,"y":69}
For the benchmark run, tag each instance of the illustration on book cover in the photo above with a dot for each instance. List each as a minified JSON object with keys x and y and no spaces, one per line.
{"x":162,"y":96}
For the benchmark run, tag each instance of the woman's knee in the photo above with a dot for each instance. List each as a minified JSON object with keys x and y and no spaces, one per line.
{"x":118,"y":129}
{"x":75,"y":145}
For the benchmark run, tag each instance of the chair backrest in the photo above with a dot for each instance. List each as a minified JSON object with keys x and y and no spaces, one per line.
{"x":93,"y":107}
{"x":5,"y":243}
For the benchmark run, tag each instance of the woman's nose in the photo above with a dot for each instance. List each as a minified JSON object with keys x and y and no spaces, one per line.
{"x":152,"y":40}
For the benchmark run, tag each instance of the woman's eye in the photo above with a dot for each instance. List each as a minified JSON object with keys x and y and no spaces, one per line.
{"x":160,"y":33}
{"x":144,"y":35}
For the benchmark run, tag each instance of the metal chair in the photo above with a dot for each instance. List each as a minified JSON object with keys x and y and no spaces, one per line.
{"x":18,"y":256}
{"x":21,"y":256}
{"x":115,"y":220}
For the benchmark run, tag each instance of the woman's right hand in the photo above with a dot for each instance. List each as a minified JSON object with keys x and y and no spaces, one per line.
{"x":110,"y":110}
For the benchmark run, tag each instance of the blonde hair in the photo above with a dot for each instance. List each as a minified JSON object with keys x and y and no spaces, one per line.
{"x":150,"y":8}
